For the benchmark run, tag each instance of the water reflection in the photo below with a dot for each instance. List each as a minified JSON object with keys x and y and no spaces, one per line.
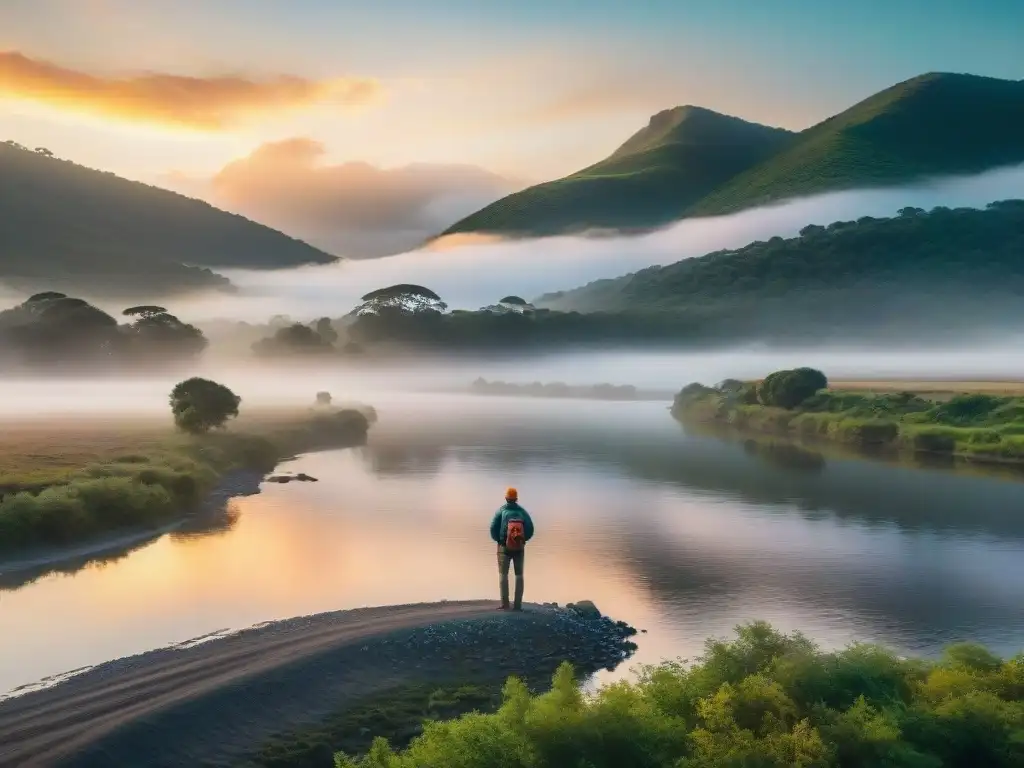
{"x":218,"y":514}
{"x":684,"y":535}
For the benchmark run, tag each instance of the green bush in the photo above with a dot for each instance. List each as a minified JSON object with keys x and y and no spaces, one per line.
{"x":789,"y":388}
{"x":967,"y":410}
{"x":765,"y":699}
{"x":866,"y":433}
{"x":63,"y":514}
{"x":933,"y":440}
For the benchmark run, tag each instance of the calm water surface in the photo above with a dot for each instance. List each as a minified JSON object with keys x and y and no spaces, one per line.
{"x":682,"y":535}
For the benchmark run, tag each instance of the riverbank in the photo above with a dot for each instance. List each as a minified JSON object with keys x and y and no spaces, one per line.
{"x":223,"y":699}
{"x":81,"y":484}
{"x":934,"y":419}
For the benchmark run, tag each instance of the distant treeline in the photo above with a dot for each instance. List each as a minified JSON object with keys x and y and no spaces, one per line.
{"x":849,"y":272}
{"x":559,"y":389}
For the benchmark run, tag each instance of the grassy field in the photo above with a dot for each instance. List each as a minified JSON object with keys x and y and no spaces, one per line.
{"x":64,"y":482}
{"x":931,"y":388}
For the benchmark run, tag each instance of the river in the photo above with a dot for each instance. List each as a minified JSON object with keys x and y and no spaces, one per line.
{"x":680,"y":534}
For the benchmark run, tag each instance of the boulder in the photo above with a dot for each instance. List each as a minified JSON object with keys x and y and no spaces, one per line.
{"x":302,"y":477}
{"x":585,"y":609}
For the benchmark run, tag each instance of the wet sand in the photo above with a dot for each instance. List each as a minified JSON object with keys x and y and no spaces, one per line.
{"x":221,"y":699}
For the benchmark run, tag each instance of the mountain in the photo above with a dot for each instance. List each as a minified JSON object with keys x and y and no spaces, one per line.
{"x":935,"y":124}
{"x":64,"y":226}
{"x":667,"y":166}
{"x":955,"y":264}
{"x":693,"y":162}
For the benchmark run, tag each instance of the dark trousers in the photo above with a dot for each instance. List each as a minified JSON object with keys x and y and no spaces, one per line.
{"x":516,"y":560}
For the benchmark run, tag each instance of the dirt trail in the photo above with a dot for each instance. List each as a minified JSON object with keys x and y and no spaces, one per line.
{"x":212,"y":700}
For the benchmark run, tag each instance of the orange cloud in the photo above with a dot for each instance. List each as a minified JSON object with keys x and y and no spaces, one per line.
{"x":352,"y":209}
{"x":206,"y":103}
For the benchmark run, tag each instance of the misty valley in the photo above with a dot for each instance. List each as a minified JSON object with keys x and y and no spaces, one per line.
{"x":279,"y":436}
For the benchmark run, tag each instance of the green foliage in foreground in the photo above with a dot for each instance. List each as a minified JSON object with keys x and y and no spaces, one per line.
{"x":143,"y":491}
{"x":977,"y":426}
{"x":398,"y":714}
{"x":765,"y":699}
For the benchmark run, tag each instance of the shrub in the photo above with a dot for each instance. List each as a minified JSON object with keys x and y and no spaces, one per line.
{"x":968,"y":409}
{"x":688,"y":394}
{"x":764,"y":699}
{"x":933,"y":440}
{"x":877,"y":432}
{"x":789,"y":388}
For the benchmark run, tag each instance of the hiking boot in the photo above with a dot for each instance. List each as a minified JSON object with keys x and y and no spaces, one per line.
{"x":504,"y":607}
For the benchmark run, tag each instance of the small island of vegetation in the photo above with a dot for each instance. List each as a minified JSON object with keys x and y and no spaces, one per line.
{"x":84,"y":484}
{"x":798,"y":403}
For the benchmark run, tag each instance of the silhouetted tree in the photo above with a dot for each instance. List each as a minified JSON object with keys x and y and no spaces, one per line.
{"x":293,"y":339}
{"x":404,"y":297}
{"x":144,"y":310}
{"x":325,"y":330}
{"x":199,"y":405}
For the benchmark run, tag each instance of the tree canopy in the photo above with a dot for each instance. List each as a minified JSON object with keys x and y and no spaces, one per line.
{"x":403,"y":297}
{"x":52,"y":328}
{"x":199,"y":405}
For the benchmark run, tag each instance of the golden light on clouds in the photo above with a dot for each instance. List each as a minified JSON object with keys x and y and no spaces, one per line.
{"x":199,"y":103}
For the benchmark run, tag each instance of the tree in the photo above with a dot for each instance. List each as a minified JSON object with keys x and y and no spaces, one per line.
{"x":292,"y":339}
{"x":45,"y":296}
{"x":44,"y":152}
{"x":145,"y":310}
{"x":789,"y":388}
{"x":200,"y":405}
{"x":158,"y":334}
{"x":518,"y":300}
{"x":323,"y":398}
{"x":325,"y":330}
{"x":404,"y":298}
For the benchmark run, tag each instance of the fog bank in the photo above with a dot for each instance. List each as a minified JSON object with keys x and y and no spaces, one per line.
{"x":403,"y":382}
{"x":474,"y":275}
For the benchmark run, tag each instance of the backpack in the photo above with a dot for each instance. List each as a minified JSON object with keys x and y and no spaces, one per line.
{"x":515,"y":535}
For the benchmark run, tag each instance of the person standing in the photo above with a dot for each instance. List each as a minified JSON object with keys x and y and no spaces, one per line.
{"x":511,"y":528}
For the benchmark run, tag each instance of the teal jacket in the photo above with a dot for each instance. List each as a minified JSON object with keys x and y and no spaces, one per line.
{"x":510,"y":510}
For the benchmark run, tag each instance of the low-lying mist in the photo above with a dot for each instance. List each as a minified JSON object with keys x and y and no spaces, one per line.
{"x":404,"y":382}
{"x":477,"y":274}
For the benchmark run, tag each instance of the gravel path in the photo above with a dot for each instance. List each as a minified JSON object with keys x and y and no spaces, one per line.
{"x":215,"y":701}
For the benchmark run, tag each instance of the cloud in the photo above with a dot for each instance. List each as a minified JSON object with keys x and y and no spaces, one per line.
{"x":205,"y":103}
{"x":353,"y":209}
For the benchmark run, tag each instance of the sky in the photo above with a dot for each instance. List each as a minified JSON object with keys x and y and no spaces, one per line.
{"x":311,"y":115}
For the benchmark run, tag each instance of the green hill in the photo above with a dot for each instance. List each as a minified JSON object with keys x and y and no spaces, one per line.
{"x":693,"y":162}
{"x":67,"y":227}
{"x":941,"y":262}
{"x":673,"y":162}
{"x":936,"y":124}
